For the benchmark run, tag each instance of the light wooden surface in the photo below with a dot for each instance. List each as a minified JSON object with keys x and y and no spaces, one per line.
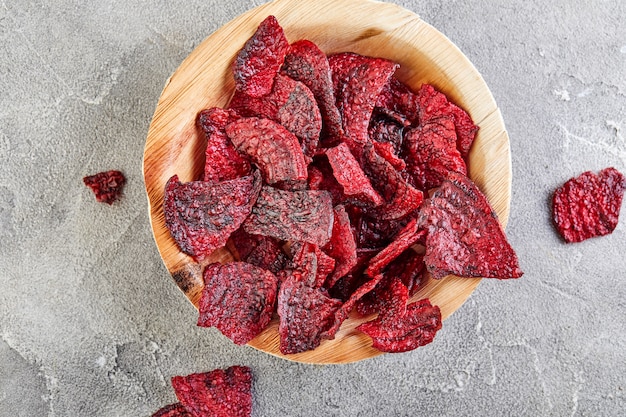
{"x":371,"y":28}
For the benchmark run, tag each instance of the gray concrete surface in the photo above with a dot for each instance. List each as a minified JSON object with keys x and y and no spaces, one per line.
{"x":92,"y":325}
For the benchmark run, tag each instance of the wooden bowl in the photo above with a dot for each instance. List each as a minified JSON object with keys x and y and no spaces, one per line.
{"x":204,"y":79}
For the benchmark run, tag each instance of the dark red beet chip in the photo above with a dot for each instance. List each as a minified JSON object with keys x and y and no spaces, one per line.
{"x":394,"y":332}
{"x":291,"y":104}
{"x":107,"y":185}
{"x":223,"y":161}
{"x":431,"y":153}
{"x":464,"y":235}
{"x":341,"y":246}
{"x":312,"y":264}
{"x":238,"y":299}
{"x":351,"y":177}
{"x":305,"y":62}
{"x":387,"y":151}
{"x":321,"y":178}
{"x":304,"y":312}
{"x":434,"y":104}
{"x":400,"y":197}
{"x":305,"y":216}
{"x":386,"y":131}
{"x":173,"y":410}
{"x":260,"y":59}
{"x":274,"y":149}
{"x":201,"y":216}
{"x":358,"y":80}
{"x":219,"y":393}
{"x":398,"y":102}
{"x":588,"y":205}
{"x":262,"y":251}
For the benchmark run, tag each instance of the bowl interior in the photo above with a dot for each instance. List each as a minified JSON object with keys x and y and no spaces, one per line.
{"x":204,"y":79}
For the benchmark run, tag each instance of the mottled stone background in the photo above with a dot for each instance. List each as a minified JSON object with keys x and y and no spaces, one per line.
{"x":92,"y":325}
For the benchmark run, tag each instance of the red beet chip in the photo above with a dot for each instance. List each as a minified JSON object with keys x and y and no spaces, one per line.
{"x":262,"y":251}
{"x":431,"y":153}
{"x":313,"y":264}
{"x":107,"y":185}
{"x":387,"y":151}
{"x":305,"y":216}
{"x":223,"y":161}
{"x":304,"y":312}
{"x":219,"y":393}
{"x":201,"y":216}
{"x":274,"y":149}
{"x":321,"y":178}
{"x":358,"y":80}
{"x":464,"y":235}
{"x":408,"y":236}
{"x":173,"y":410}
{"x":351,"y":177}
{"x":290,"y":104}
{"x":400,"y":197}
{"x":588,"y":205}
{"x":390,"y":296}
{"x":258,"y":62}
{"x":307,"y":63}
{"x":394,"y":332}
{"x":341,"y":246}
{"x":398,"y":102}
{"x":434,"y":104}
{"x":382,"y":130}
{"x":238,"y":299}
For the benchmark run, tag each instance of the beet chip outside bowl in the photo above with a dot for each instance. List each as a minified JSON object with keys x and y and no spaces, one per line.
{"x":175,"y":146}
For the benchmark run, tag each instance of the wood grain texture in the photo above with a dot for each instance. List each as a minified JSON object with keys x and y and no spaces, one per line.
{"x":385,"y":30}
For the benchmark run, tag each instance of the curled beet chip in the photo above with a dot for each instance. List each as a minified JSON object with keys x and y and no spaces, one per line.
{"x":201,"y":216}
{"x":398,"y":102}
{"x":312,"y":264}
{"x":291,"y":104}
{"x":258,"y":62}
{"x":304,"y":312}
{"x":173,"y":410}
{"x":341,"y":246}
{"x":464,"y":235}
{"x":394,"y":331}
{"x":274,"y":149}
{"x":434,"y":104}
{"x":238,"y":299}
{"x":431,"y":153}
{"x":305,"y":62}
{"x":305,"y":216}
{"x":223,"y":161}
{"x":219,"y":393}
{"x":107,"y":185}
{"x":351,"y":177}
{"x":358,"y":80}
{"x":588,"y":205}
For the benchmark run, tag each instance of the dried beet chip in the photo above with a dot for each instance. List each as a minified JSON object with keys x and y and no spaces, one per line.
{"x":173,"y":410}
{"x":304,"y":312}
{"x":291,"y":104}
{"x":393,"y":332}
{"x":321,"y":178}
{"x":262,"y":251}
{"x":464,"y":235}
{"x":305,"y":216}
{"x":305,"y":62}
{"x":201,"y":216}
{"x":387,"y":151}
{"x":400,"y":197}
{"x":351,"y":177}
{"x":398,"y":102}
{"x":389,"y":296}
{"x":238,"y":299}
{"x":344,"y":311}
{"x":223,"y":162}
{"x":588,"y":205}
{"x":382,"y":130}
{"x":358,"y":80}
{"x":219,"y":393}
{"x":313,"y":264}
{"x":107,"y":185}
{"x":274,"y":149}
{"x":341,"y":246}
{"x":408,"y":236}
{"x":431,"y":154}
{"x":260,"y":59}
{"x":434,"y":104}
